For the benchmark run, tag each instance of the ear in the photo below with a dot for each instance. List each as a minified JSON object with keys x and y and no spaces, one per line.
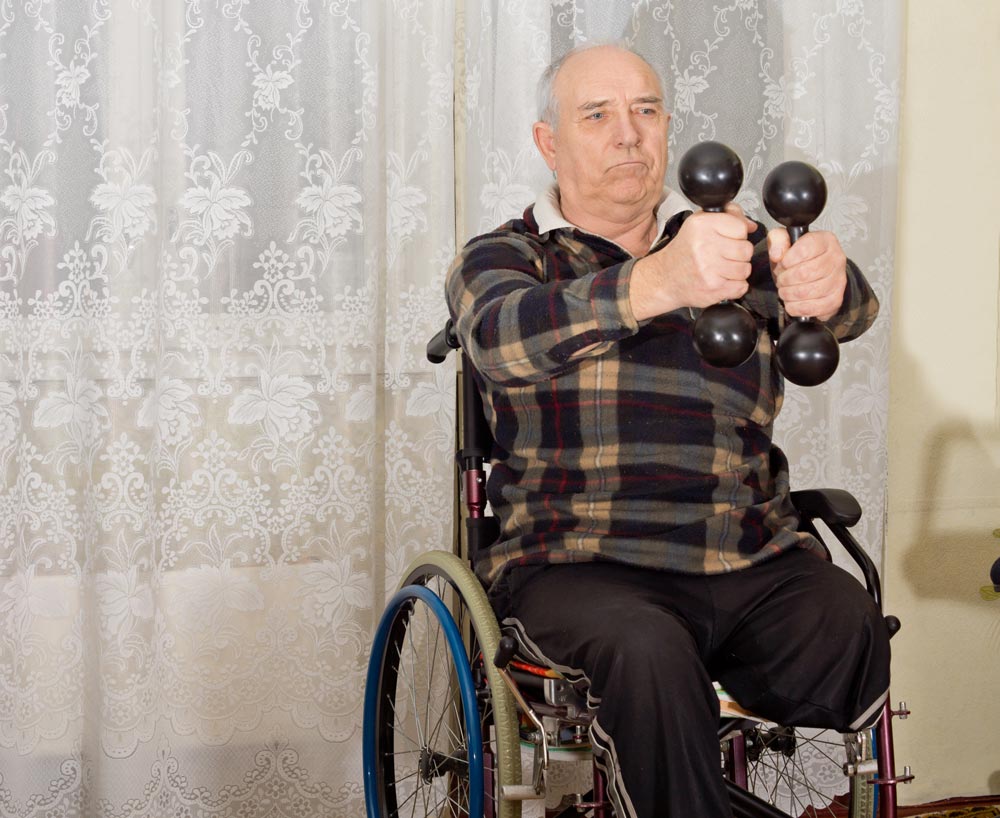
{"x":545,"y":141}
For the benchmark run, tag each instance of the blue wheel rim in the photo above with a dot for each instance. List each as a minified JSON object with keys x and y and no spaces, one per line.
{"x":456,"y":649}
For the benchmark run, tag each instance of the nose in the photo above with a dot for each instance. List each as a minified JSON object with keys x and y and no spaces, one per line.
{"x":628,"y":135}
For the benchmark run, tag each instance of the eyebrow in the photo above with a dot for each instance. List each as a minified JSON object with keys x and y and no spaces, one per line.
{"x":601,"y":103}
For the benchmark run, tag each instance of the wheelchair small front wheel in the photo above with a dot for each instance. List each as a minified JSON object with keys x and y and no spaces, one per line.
{"x":440,"y":728}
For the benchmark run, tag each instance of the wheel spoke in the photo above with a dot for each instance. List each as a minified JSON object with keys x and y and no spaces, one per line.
{"x":412,"y":796}
{"x":786,"y":773}
{"x":431,"y":663}
{"x":443,"y":713}
{"x":429,"y":681}
{"x":411,"y":686}
{"x":426,"y":759}
{"x":399,"y":753}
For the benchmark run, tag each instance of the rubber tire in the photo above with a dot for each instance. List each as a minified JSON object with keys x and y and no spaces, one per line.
{"x":450,"y":567}
{"x":380,"y":733}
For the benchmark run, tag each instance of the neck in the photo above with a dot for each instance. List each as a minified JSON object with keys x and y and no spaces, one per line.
{"x":633,"y":231}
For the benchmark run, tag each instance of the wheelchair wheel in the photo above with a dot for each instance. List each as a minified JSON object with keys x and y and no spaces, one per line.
{"x":802,"y":771}
{"x":440,"y":727}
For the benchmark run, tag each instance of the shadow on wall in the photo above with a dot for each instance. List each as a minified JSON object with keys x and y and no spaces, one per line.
{"x":952,"y":561}
{"x":950,"y":488}
{"x":945,"y":516}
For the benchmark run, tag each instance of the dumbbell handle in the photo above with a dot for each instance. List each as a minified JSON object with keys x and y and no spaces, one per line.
{"x":710,"y":175}
{"x":794,"y":194}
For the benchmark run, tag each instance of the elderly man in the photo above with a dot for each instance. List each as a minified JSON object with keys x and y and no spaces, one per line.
{"x":648,"y":543}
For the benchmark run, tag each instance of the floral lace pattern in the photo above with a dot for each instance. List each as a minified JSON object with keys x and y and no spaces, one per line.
{"x":220,"y":260}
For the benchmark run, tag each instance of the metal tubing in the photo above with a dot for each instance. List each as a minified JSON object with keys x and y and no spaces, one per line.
{"x":886,"y":764}
{"x":475,"y":492}
{"x":600,"y":796}
{"x":477,"y":438}
{"x":738,"y":759}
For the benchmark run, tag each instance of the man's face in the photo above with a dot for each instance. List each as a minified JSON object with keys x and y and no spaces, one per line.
{"x":610,"y":146}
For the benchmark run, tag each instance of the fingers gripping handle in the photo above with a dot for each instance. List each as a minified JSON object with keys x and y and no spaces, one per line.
{"x":795,"y":194}
{"x":710,"y":175}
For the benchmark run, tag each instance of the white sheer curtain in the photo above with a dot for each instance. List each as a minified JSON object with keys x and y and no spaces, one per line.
{"x":817,"y":81}
{"x":223,"y":233}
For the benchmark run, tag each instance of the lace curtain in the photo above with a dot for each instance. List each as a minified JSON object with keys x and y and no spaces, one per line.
{"x":224,"y":232}
{"x":224,"y":228}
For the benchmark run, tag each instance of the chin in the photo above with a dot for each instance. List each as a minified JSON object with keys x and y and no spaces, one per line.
{"x":634,"y":194}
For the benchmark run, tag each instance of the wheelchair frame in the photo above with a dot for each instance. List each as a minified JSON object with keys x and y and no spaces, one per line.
{"x":496,"y":690}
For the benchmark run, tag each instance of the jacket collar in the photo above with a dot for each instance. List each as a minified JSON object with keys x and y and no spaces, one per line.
{"x":548,"y":214}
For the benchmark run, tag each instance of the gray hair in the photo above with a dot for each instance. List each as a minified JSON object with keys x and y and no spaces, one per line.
{"x":548,"y":105}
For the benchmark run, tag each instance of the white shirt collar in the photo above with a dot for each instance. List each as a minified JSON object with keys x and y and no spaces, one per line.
{"x":549,"y":215}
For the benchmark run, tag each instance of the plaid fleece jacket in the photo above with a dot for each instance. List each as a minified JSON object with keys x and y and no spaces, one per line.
{"x":614,"y":440}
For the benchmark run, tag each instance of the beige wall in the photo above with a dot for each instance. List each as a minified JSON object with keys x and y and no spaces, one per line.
{"x":944,"y":438}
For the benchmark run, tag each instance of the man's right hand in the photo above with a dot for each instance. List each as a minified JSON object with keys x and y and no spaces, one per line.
{"x":706,"y":262}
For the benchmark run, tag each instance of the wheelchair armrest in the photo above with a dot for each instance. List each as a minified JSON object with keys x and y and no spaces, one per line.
{"x":839,"y":510}
{"x":832,"y":506}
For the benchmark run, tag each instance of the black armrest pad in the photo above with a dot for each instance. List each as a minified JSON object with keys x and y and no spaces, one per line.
{"x":832,"y":506}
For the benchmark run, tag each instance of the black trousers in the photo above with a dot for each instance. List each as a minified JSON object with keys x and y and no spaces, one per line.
{"x":795,"y":639}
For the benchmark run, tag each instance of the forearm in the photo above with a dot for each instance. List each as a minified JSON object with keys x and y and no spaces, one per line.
{"x":647,"y":297}
{"x":518,"y":329}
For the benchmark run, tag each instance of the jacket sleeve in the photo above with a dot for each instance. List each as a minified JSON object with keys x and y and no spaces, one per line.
{"x":517,"y":326}
{"x":859,"y":308}
{"x":857,"y":311}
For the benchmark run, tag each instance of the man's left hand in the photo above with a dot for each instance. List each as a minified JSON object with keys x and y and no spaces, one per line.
{"x":811,"y":274}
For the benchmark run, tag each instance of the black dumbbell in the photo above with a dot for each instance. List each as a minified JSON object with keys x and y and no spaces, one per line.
{"x":795,"y":194}
{"x":710,"y":175}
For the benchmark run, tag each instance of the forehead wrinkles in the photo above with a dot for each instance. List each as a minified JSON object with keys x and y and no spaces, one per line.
{"x":584,"y":80}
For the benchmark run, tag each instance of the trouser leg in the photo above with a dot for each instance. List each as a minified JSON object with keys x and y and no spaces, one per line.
{"x":795,"y":639}
{"x":656,"y":711}
{"x":805,"y":643}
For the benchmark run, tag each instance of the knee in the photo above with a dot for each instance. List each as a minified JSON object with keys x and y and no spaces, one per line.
{"x":863,"y":622}
{"x":843,"y":613}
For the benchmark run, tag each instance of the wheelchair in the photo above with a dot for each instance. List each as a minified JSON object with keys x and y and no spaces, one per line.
{"x":449,"y":702}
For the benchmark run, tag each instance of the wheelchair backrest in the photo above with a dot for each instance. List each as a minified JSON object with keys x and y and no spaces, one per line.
{"x":481,"y":529}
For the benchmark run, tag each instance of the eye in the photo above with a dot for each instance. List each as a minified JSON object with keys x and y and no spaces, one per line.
{"x":597,"y":115}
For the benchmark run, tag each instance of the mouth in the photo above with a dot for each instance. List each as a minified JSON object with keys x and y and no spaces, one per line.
{"x":631,"y":164}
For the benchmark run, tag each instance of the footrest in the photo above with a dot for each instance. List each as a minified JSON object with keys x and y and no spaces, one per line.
{"x":520,"y":792}
{"x":899,"y":779}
